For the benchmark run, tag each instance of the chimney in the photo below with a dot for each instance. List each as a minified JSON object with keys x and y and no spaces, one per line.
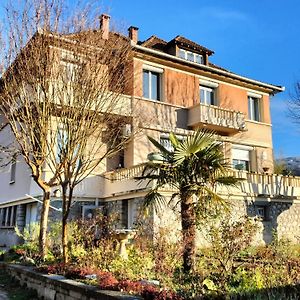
{"x":104,"y":26}
{"x":133,"y":33}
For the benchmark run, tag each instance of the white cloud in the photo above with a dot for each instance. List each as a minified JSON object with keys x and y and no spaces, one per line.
{"x":223,"y":14}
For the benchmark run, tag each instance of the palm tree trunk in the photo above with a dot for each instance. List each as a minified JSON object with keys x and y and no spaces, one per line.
{"x":44,"y":224}
{"x":188,"y":233}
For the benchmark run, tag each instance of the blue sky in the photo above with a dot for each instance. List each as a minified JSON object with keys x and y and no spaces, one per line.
{"x":258,"y":39}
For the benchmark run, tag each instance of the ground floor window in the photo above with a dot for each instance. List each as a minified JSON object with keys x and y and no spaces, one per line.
{"x":241,"y":158}
{"x":240,"y":164}
{"x":8,"y":216}
{"x":31,"y":213}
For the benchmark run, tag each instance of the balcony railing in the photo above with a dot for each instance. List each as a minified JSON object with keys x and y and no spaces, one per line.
{"x":217,"y":117}
{"x":255,"y":184}
{"x":126,"y":173}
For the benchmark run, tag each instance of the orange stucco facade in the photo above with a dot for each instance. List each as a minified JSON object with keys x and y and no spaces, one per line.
{"x":180,"y":94}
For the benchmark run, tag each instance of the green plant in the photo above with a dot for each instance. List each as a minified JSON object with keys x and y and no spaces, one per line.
{"x":227,"y":239}
{"x":139,"y":265}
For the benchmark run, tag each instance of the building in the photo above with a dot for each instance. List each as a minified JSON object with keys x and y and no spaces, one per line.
{"x":176,"y":88}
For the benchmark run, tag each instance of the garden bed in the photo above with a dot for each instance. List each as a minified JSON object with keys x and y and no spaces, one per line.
{"x":56,"y":287}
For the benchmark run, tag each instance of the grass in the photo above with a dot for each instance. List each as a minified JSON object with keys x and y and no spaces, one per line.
{"x":14,"y":290}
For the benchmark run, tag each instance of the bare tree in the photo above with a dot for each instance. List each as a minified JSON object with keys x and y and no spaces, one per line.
{"x":62,"y":94}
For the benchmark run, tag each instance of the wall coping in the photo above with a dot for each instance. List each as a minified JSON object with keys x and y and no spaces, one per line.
{"x":58,"y":283}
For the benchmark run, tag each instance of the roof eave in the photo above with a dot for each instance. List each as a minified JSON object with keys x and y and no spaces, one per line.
{"x":275,"y":88}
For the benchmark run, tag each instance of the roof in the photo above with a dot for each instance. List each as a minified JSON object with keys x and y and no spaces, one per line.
{"x":155,"y":42}
{"x":159,"y":44}
{"x":181,"y":40}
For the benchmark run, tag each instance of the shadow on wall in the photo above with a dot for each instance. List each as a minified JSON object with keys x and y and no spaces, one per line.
{"x":181,"y":118}
{"x":269,"y":213}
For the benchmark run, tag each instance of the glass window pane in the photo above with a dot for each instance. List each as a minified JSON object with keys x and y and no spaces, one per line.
{"x":202,"y":96}
{"x":256,"y":109}
{"x":250,"y":108}
{"x":182,"y":53}
{"x":198,"y":58}
{"x":155,"y":86}
{"x":146,"y":84}
{"x":190,"y":56}
{"x":210,"y":97}
{"x":240,"y":164}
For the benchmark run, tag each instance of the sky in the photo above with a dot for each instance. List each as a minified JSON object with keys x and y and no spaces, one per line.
{"x":258,"y":39}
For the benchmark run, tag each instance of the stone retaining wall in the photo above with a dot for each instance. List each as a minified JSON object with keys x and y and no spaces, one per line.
{"x":56,"y":287}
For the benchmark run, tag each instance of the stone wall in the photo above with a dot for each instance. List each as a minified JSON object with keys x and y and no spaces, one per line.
{"x":56,"y":287}
{"x":281,"y":217}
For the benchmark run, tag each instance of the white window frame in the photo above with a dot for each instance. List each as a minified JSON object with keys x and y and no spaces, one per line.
{"x":252,"y":100}
{"x":159,"y":72}
{"x":207,"y":90}
{"x":185,"y":53}
{"x":238,"y":153}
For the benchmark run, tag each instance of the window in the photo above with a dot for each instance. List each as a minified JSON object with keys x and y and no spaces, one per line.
{"x":13,"y":168}
{"x":91,"y":211}
{"x":8,"y":216}
{"x":66,"y":151}
{"x":190,"y":56}
{"x":262,"y":211}
{"x":124,"y":214}
{"x":207,"y":95}
{"x":254,"y":108}
{"x":151,"y":85}
{"x":68,"y":71}
{"x":240,"y":164}
{"x":241,"y":159}
{"x":31,"y":214}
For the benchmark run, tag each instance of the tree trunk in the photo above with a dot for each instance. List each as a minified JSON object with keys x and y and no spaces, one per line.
{"x":65,"y":239}
{"x":188,"y":217}
{"x":44,"y":224}
{"x":65,"y":215}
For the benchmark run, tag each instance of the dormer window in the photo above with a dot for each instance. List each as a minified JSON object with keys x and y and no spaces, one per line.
{"x":190,"y":56}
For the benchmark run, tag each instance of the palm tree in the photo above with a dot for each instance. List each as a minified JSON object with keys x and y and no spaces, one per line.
{"x":193,"y":168}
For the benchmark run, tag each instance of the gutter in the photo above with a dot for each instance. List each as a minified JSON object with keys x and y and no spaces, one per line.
{"x":276,"y":89}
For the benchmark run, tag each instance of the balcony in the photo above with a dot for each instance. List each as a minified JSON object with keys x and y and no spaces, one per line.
{"x":265,"y":186}
{"x":216,"y":118}
{"x":271,"y":186}
{"x":122,"y":181}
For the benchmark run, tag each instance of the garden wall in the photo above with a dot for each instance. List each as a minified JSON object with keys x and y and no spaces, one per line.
{"x":56,"y":287}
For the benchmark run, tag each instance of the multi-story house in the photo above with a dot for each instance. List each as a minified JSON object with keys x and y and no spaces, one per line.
{"x":176,"y":88}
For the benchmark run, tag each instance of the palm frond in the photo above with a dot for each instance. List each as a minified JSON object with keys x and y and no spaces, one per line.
{"x":164,"y":151}
{"x":216,"y":198}
{"x":192,"y":145}
{"x":174,"y":140}
{"x":228,"y":180}
{"x":154,"y":200}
